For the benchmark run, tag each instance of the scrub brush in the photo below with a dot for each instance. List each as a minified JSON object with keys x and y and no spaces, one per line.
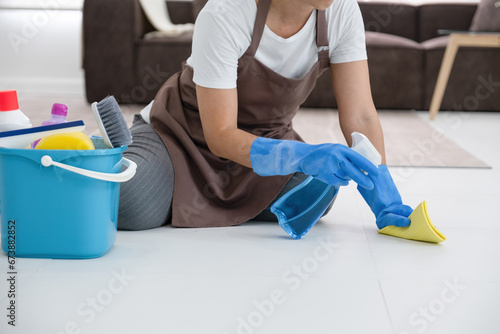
{"x":111,"y":123}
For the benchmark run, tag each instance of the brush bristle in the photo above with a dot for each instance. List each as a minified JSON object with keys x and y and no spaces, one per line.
{"x":114,"y":123}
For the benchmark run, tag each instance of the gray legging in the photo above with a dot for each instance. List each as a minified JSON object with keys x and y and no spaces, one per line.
{"x":146,"y":200}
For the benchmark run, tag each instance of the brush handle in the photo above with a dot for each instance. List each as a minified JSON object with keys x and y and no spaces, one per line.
{"x":100,"y":125}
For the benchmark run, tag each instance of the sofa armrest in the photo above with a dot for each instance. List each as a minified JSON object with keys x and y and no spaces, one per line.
{"x":109,"y":35}
{"x":111,"y":32}
{"x":180,"y":11}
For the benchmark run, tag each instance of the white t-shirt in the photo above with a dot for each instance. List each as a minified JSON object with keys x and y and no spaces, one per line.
{"x":223,"y":32}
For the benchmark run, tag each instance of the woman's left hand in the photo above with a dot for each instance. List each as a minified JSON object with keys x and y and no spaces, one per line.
{"x":384,"y":200}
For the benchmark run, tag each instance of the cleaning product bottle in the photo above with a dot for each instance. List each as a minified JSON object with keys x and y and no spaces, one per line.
{"x":58,"y":115}
{"x":11,"y":118}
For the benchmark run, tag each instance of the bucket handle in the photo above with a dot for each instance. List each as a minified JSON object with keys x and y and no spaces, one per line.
{"x":113,"y":177}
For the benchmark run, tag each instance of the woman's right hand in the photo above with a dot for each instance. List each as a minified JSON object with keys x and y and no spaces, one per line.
{"x":334,"y":164}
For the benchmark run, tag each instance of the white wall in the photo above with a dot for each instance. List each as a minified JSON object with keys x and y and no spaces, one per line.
{"x":42,"y":4}
{"x":41,"y":51}
{"x":41,"y":46}
{"x":40,"y":43}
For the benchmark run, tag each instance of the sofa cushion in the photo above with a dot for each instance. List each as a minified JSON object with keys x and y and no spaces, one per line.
{"x":396,"y":71}
{"x":433,"y":17}
{"x":390,"y":17}
{"x":382,"y":40}
{"x":474,"y":80}
{"x":436,"y":43}
{"x":157,"y":60}
{"x":390,"y":89}
{"x":487,"y":16}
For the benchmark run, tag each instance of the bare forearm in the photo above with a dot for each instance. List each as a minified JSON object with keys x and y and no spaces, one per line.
{"x":234,"y":144}
{"x":357,"y":112}
{"x":219,"y":114}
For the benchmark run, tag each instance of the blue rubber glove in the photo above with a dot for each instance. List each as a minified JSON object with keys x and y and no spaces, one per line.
{"x":385,"y":201}
{"x":334,"y":164}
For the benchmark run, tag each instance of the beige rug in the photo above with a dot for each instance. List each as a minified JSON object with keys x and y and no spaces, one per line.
{"x":409,"y":140}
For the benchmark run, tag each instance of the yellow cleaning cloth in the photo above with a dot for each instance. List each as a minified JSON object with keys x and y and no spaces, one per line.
{"x":420,"y":229}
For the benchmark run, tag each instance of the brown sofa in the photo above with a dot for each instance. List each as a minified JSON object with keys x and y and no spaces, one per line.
{"x":403,"y":45}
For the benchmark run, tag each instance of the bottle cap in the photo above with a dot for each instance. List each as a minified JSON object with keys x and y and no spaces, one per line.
{"x":59,"y":109}
{"x":8,"y":100}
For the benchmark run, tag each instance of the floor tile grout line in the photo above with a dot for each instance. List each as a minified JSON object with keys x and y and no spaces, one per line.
{"x":376,"y":268}
{"x":386,"y":306}
{"x":379,"y":282}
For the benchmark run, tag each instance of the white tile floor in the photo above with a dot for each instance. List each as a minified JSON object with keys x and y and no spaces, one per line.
{"x":343,"y":277}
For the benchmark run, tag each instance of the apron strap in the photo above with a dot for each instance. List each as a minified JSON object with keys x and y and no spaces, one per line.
{"x":258,"y":28}
{"x":322,"y":43}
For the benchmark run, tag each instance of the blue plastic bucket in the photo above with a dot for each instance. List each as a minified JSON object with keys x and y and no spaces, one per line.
{"x":48,"y":211}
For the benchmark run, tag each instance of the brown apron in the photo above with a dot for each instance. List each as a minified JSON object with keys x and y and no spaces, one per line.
{"x":212,"y":191}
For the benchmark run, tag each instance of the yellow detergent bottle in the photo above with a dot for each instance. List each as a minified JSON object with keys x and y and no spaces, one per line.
{"x":66,"y":141}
